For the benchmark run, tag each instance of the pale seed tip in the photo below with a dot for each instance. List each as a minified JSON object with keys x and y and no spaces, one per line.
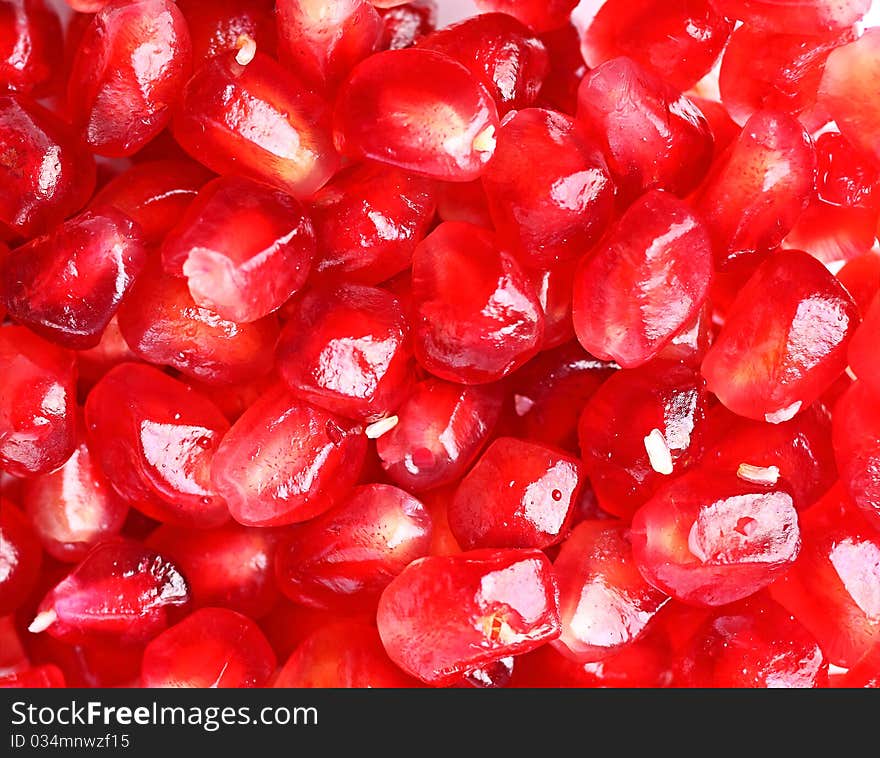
{"x":484,"y":142}
{"x":758,"y":474}
{"x":247,"y":49}
{"x":380,"y":427}
{"x":43,"y":620}
{"x":658,"y":452}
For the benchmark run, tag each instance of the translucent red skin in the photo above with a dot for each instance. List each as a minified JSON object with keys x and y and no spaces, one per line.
{"x":654,"y":139}
{"x":784,"y":340}
{"x":553,"y":285}
{"x":748,"y":205}
{"x":857,"y":446}
{"x":540,"y":15}
{"x":216,"y":26}
{"x":604,"y":603}
{"x":618,"y":417}
{"x":754,"y":643}
{"x":47,"y":676}
{"x":259,"y":466}
{"x":461,"y":330}
{"x":809,"y":17}
{"x":162,"y":324}
{"x":154,"y":438}
{"x":446,"y":615}
{"x":93,"y":363}
{"x":724,"y":129}
{"x":368,"y":221}
{"x":344,"y":558}
{"x":131,"y":64}
{"x":566,"y":69}
{"x":861,"y":278}
{"x":863,"y":358}
{"x":503,"y":53}
{"x":560,"y":202}
{"x":30,"y":46}
{"x":68,"y":284}
{"x":403,"y":25}
{"x":440,"y":110}
{"x":21,"y":555}
{"x":37,"y":403}
{"x":212,"y":647}
{"x":644,"y":282}
{"x":679,"y":40}
{"x":121,"y":593}
{"x":244,"y":119}
{"x":441,"y":429}
{"x":517,"y":495}
{"x":37,"y":198}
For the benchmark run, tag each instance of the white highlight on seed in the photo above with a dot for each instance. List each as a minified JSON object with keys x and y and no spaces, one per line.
{"x":851,"y":374}
{"x":484,"y":142}
{"x":522,"y":404}
{"x":247,"y":49}
{"x":380,"y":427}
{"x":783,"y":414}
{"x":758,"y":474}
{"x":43,"y":621}
{"x":658,"y":452}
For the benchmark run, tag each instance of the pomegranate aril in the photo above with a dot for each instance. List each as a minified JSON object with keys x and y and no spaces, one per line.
{"x":40,"y":193}
{"x":154,"y":438}
{"x":784,"y":339}
{"x":861,"y":278}
{"x":863,"y":353}
{"x":558,"y":204}
{"x":418,"y":110}
{"x":857,"y":445}
{"x":20,"y":558}
{"x":257,"y":120}
{"x":216,"y":27}
{"x":47,"y":676}
{"x":866,"y":673}
{"x":566,"y":69}
{"x":553,"y":286}
{"x":129,"y":69}
{"x":90,"y":664}
{"x":846,"y":176}
{"x":795,"y":16}
{"x":463,"y":201}
{"x":540,"y":15}
{"x":518,"y":494}
{"x":93,"y":363}
{"x":285,"y":461}
{"x":235,"y":399}
{"x":13,"y":657}
{"x":68,"y":284}
{"x":724,"y":129}
{"x":604,"y":603}
{"x":213,"y":647}
{"x":405,"y":24}
{"x":30,"y":46}
{"x":441,"y":427}
{"x":121,"y":593}
{"x":710,"y":538}
{"x":654,"y":138}
{"x":476,"y":315}
{"x":37,"y":403}
{"x":444,"y":616}
{"x":494,"y":675}
{"x":344,"y":558}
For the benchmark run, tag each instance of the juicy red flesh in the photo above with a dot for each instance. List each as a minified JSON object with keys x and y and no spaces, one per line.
{"x":800,"y":17}
{"x":540,"y":15}
{"x":216,"y":27}
{"x":863,"y":355}
{"x":30,"y":46}
{"x":404,"y":25}
{"x":857,"y":447}
{"x":20,"y":556}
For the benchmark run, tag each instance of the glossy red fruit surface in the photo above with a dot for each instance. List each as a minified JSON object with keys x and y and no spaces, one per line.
{"x":863,"y":355}
{"x":795,"y":16}
{"x":154,"y":438}
{"x":655,"y":138}
{"x":857,"y":447}
{"x":644,"y":282}
{"x":476,"y":316}
{"x":784,"y":340}
{"x":37,"y":403}
{"x":861,"y":278}
{"x":216,"y":27}
{"x":418,"y":110}
{"x":211,"y":648}
{"x":47,"y":676}
{"x":30,"y":46}
{"x":285,"y":461}
{"x":129,"y":69}
{"x":560,"y":202}
{"x":344,"y":558}
{"x":40,"y":193}
{"x":67,"y":285}
{"x":517,"y":495}
{"x":540,"y":15}
{"x":20,"y":557}
{"x":604,"y":602}
{"x":121,"y":593}
{"x":405,"y":24}
{"x":446,"y":615}
{"x":566,"y":69}
{"x":258,"y":120}
{"x":710,"y":539}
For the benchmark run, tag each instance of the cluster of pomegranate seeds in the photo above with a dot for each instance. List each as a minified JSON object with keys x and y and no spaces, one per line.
{"x":340,"y":347}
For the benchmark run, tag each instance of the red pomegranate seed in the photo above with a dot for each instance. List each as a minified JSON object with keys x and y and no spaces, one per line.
{"x":518,"y":494}
{"x":566,"y":69}
{"x":216,"y":27}
{"x":863,"y":358}
{"x":404,"y":25}
{"x":154,"y":437}
{"x":861,"y":278}
{"x":444,"y":616}
{"x":441,"y":429}
{"x":724,"y":129}
{"x":753,"y":643}
{"x":343,"y":654}
{"x":604,"y":602}
{"x":87,"y":6}
{"x":784,"y":339}
{"x":857,"y":446}
{"x":866,"y":673}
{"x":644,"y":283}
{"x":322,"y":40}
{"x":93,"y":363}
{"x":639,"y":427}
{"x":162,"y":324}
{"x":560,"y":202}
{"x":540,"y":15}
{"x":30,"y":46}
{"x":129,"y":69}
{"x":749,"y":203}
{"x":680,"y":40}
{"x":213,"y":647}
{"x":553,"y":286}
{"x":711,"y":538}
{"x":495,"y":675}
{"x":798,"y":17}
{"x":20,"y":558}
{"x":463,"y":201}
{"x":67,"y":285}
{"x":344,"y":558}
{"x":47,"y":676}
{"x":285,"y":461}
{"x":418,"y":110}
{"x":13,"y":657}
{"x":37,"y":403}
{"x":655,"y":138}
{"x":45,"y":170}
{"x":476,"y":314}
{"x":256,"y":119}
{"x":121,"y":593}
